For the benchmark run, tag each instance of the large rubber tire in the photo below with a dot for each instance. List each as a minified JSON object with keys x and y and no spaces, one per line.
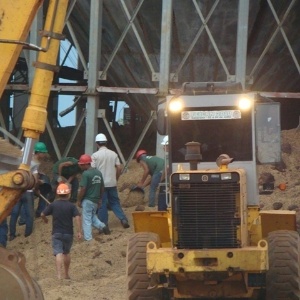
{"x":137,"y":277}
{"x":283,"y":277}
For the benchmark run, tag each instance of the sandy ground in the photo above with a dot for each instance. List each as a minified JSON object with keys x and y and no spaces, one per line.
{"x":98,"y":268}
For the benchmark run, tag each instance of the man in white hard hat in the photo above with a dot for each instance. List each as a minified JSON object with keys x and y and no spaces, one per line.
{"x":108,"y":163}
{"x":165,"y":142}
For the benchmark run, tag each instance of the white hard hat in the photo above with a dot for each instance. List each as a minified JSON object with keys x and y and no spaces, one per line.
{"x":165,"y":141}
{"x":100,"y":137}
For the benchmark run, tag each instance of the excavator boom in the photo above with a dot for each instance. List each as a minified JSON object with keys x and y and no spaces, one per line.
{"x":16,"y":18}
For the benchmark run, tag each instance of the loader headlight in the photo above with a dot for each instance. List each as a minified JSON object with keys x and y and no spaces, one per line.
{"x":244,"y":103}
{"x":184,"y":176}
{"x":225,"y":176}
{"x":176,"y":105}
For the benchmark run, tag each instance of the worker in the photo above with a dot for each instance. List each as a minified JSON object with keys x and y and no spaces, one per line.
{"x":108,"y":163}
{"x":43,"y":186}
{"x":153,"y":166}
{"x":66,"y":170}
{"x":89,"y":197}
{"x":63,"y":212}
{"x":44,"y":192}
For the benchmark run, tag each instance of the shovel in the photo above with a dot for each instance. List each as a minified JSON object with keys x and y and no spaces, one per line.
{"x":135,"y":188}
{"x":45,"y":199}
{"x":132,"y":187}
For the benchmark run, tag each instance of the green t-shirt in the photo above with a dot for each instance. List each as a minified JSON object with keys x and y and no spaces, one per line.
{"x":92,"y":180}
{"x":154,"y":163}
{"x":69,"y":170}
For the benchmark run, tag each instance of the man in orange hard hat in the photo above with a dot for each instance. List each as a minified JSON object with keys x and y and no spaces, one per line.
{"x":63,"y":212}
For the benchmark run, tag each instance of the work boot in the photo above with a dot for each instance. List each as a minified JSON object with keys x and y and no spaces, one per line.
{"x":105,"y":230}
{"x":125,"y":223}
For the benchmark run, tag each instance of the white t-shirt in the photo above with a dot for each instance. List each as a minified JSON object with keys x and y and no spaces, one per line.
{"x":105,"y":161}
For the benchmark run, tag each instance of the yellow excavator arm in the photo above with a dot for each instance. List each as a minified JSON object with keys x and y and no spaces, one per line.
{"x":16,"y":18}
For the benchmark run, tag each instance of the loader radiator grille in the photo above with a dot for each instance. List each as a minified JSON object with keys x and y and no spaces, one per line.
{"x":206,"y":211}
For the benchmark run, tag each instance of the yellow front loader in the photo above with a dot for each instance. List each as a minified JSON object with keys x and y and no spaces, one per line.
{"x":16,"y":18}
{"x":214,"y":242}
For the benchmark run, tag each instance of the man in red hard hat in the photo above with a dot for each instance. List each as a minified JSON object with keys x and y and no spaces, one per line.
{"x":153,"y":166}
{"x":63,"y":212}
{"x":89,"y":197}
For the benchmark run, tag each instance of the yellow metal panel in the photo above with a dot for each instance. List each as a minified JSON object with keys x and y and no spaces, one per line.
{"x":156,"y":222}
{"x":272,"y":220}
{"x":250,"y":259}
{"x":254,"y":225}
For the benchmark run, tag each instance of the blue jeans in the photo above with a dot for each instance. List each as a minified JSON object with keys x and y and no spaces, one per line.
{"x":89,"y":219}
{"x":41,"y":206}
{"x":45,"y":190}
{"x":155,"y":180}
{"x":111,"y":198}
{"x":26,"y":201}
{"x":3,"y":233}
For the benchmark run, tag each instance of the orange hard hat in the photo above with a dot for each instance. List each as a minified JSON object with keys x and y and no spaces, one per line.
{"x":85,"y":159}
{"x":282,"y":186}
{"x":139,"y":154}
{"x":63,"y":189}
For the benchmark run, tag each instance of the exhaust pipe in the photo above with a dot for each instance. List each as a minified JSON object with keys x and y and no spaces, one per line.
{"x":193,"y":155}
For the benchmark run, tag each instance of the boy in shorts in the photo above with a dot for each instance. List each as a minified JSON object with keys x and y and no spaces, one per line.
{"x":63,"y":212}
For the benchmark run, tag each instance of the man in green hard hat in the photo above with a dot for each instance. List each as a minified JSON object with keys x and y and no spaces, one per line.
{"x":43,"y":187}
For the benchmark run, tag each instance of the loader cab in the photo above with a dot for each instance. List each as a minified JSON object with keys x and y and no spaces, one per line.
{"x":244,"y":126}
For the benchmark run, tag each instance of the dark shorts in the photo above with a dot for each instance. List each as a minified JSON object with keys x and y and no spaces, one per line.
{"x":62,"y":243}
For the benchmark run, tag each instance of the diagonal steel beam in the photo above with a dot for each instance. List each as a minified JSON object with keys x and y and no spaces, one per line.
{"x":138,"y":37}
{"x":120,"y":41}
{"x":196,"y":38}
{"x":70,"y":9}
{"x":271,"y":39}
{"x":284,"y":35}
{"x":140,"y":139}
{"x":74,"y":133}
{"x":211,"y":38}
{"x":77,"y":46}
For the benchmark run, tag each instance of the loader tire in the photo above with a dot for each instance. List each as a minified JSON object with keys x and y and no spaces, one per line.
{"x":137,"y":277}
{"x":283,"y":276}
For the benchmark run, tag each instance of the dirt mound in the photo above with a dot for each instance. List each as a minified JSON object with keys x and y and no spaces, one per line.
{"x":130,"y":198}
{"x":288,"y":197}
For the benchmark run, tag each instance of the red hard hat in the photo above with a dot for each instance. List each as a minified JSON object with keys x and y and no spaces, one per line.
{"x":139,"y":154}
{"x":63,"y":189}
{"x":85,"y":159}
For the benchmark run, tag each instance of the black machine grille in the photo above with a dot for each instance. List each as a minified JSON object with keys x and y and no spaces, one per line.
{"x":206,"y":214}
